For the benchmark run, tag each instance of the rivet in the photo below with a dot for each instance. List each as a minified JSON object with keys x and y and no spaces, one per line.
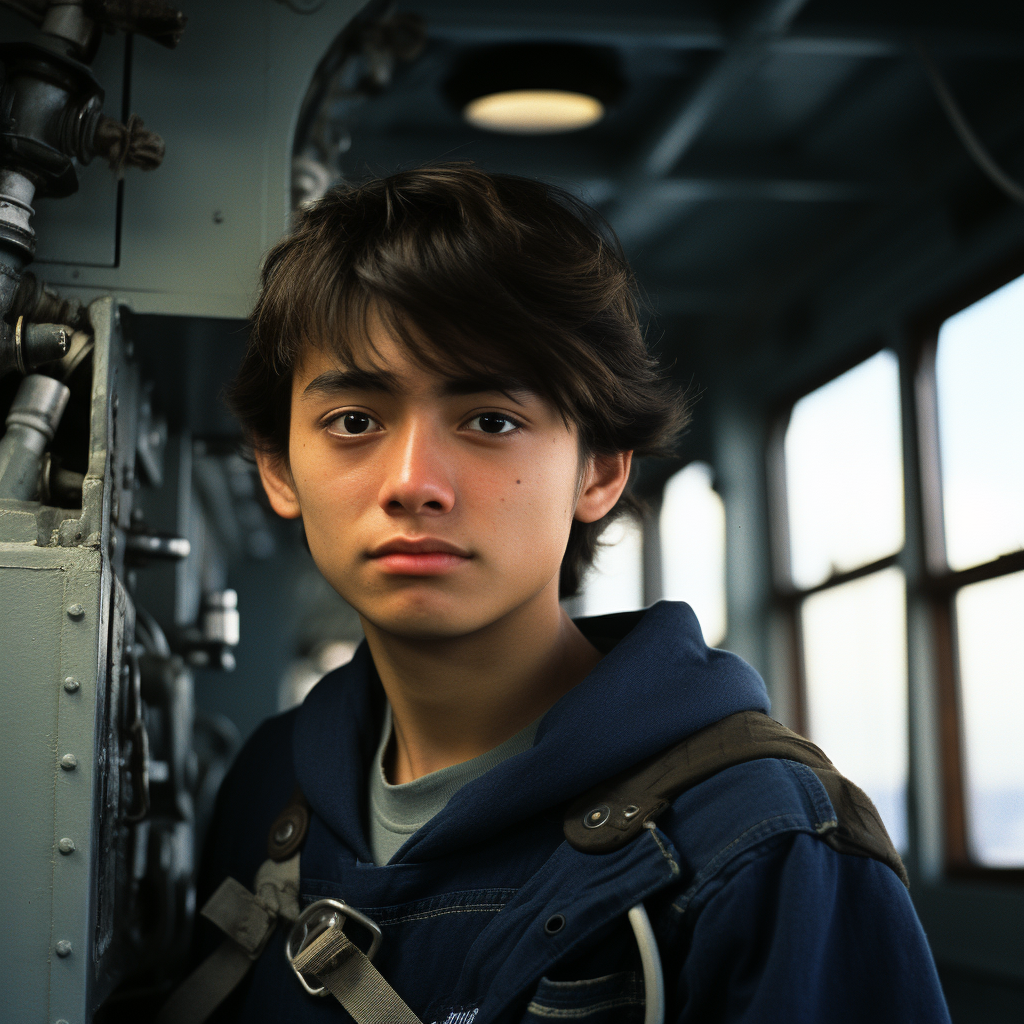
{"x":630,"y":812}
{"x":554,"y":924}
{"x":61,"y":1021}
{"x":284,"y":832}
{"x":66,"y":846}
{"x":69,"y":762}
{"x":597,"y":816}
{"x":63,"y":948}
{"x":71,"y":684}
{"x":75,"y":611}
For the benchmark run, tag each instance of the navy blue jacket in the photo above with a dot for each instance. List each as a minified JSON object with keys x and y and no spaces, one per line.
{"x":757,"y":919}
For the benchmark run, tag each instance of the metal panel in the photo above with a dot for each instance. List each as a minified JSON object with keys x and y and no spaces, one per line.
{"x":31,"y":598}
{"x":226,"y":102}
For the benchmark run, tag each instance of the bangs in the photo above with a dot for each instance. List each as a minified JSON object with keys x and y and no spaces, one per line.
{"x":477,"y":276}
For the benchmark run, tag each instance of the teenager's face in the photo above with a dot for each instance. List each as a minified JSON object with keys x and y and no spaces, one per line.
{"x":433,"y":506}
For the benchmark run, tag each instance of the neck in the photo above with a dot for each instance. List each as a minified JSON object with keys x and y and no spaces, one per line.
{"x":455,"y":698}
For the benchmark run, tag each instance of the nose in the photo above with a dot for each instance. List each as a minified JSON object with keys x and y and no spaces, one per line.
{"x":418,"y":476}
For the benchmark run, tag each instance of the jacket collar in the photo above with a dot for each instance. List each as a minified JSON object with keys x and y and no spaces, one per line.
{"x":657,"y":683}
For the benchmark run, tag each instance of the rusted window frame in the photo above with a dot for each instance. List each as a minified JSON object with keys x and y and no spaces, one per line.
{"x":940,"y":584}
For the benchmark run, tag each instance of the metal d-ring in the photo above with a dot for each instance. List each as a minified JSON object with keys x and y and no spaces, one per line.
{"x":318,"y":918}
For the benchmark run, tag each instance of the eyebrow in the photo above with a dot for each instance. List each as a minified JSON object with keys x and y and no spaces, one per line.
{"x":332,"y":381}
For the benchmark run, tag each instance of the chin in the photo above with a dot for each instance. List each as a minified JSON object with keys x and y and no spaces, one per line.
{"x":424,"y":624}
{"x":423,"y":616}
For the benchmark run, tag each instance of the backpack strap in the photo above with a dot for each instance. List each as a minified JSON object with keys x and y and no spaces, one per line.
{"x":614,"y":812}
{"x":247,"y":920}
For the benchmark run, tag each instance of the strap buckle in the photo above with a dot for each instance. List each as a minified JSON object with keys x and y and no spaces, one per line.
{"x":318,"y":918}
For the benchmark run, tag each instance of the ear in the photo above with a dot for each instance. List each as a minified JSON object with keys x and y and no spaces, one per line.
{"x":278,"y":483}
{"x":604,"y":480}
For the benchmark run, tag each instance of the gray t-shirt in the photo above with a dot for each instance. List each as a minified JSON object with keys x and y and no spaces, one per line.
{"x":398,"y":811}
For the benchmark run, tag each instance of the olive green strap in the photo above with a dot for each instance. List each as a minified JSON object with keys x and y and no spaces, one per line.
{"x":207,"y":986}
{"x":346,"y":972}
{"x":248,"y":921}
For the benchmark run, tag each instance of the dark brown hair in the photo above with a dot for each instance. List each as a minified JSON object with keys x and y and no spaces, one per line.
{"x":519,"y":278}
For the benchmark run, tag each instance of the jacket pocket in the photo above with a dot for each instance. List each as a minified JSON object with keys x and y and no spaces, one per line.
{"x":613,"y":999}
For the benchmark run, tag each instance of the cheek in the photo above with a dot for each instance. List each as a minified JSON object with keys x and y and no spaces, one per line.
{"x":531,"y":508}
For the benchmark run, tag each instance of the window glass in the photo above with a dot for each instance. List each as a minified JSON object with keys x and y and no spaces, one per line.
{"x":990,"y":634}
{"x":616,"y":582}
{"x":979,"y":372}
{"x":692,"y":528}
{"x":855,"y":657}
{"x":844,"y":472}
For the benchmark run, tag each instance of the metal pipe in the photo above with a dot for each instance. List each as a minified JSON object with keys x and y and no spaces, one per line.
{"x":31,"y":424}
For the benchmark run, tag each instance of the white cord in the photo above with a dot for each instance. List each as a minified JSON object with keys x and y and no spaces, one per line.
{"x":654,"y":983}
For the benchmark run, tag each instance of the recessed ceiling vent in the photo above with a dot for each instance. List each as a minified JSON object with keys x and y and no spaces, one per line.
{"x":535,"y":89}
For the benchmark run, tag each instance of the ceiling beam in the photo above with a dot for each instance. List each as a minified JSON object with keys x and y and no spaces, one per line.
{"x":684,"y":189}
{"x":768,"y":20}
{"x":483,"y":25}
{"x":695,"y":108}
{"x":595,"y":180}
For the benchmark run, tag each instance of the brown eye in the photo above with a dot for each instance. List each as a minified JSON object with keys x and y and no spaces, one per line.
{"x":352,"y":424}
{"x":495,"y":423}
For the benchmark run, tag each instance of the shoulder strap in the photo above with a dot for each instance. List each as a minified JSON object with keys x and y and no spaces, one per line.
{"x":611,"y":814}
{"x":247,"y":920}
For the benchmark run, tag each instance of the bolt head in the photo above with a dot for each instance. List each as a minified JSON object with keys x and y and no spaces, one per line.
{"x":66,"y":846}
{"x":63,"y":948}
{"x":75,"y":611}
{"x":71,"y":684}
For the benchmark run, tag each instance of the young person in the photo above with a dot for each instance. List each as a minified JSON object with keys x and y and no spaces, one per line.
{"x":447,"y":382}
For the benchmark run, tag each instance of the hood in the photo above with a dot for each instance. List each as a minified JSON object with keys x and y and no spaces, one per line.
{"x":657,"y":683}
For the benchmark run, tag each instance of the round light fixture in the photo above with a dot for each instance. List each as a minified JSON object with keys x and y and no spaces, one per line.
{"x":534,"y":111}
{"x":535,"y":88}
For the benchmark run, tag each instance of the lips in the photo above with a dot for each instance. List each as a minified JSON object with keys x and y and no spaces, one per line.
{"x":427,"y":556}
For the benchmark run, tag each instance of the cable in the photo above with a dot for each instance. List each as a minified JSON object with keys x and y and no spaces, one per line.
{"x":654,"y":983}
{"x":971,"y":142}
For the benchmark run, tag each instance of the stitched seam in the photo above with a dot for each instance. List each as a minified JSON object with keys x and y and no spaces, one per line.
{"x":469,"y":900}
{"x":620,"y":977}
{"x":478,"y":908}
{"x":765,"y":829}
{"x":815,"y":791}
{"x":652,"y":829}
{"x":573,"y":1013}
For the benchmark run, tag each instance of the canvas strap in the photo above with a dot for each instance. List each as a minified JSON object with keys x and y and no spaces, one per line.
{"x":614,"y":812}
{"x":347,"y":973}
{"x":247,"y":920}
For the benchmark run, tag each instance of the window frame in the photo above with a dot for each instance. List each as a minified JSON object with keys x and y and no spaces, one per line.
{"x":939,"y":584}
{"x":787,"y":598}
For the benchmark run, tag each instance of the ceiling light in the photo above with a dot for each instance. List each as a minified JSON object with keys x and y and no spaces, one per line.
{"x":534,"y":88}
{"x":534,"y":111}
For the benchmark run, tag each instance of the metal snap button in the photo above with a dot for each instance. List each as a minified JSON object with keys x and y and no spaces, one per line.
{"x":596,"y":816}
{"x":554,"y":924}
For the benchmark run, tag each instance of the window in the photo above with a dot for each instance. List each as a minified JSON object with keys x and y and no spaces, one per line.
{"x":971,"y":408}
{"x":841,"y":490}
{"x":616,"y":581}
{"x":979,"y":377}
{"x":990,"y":628}
{"x":844,"y":473}
{"x":692,"y":533}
